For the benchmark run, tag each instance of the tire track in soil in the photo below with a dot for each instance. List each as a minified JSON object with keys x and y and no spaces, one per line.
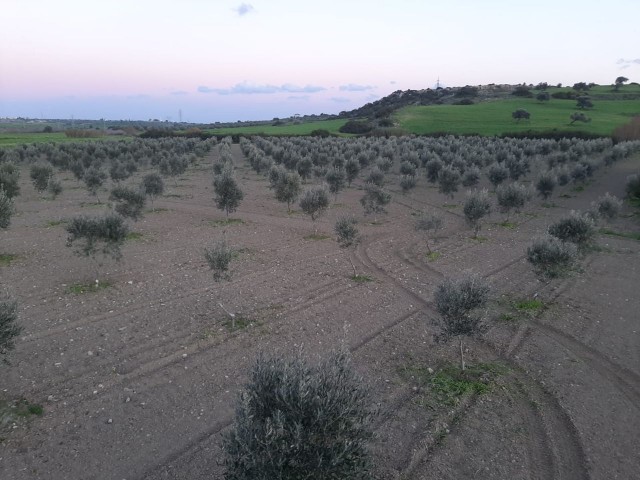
{"x":193,"y":350}
{"x":556,"y":432}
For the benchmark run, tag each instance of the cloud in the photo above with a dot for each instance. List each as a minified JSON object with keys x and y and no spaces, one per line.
{"x":340,"y":99}
{"x":243,"y":9}
{"x":178,"y":92}
{"x":352,"y":87}
{"x":625,"y":63}
{"x":392,"y":82}
{"x":302,"y":98}
{"x":246,"y":88}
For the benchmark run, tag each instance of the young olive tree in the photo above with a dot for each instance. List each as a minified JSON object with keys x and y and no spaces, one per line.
{"x":374,"y":200}
{"x":577,"y":228}
{"x":336,"y":179}
{"x":152,"y":186}
{"x":551,"y":257}
{"x":9,"y":328}
{"x":457,"y":302}
{"x":6,"y":209}
{"x":228,"y":193}
{"x":97,"y":235}
{"x":347,"y":236}
{"x":314,"y":202}
{"x":296,"y":421}
{"x":219,"y":258}
{"x":497,"y":173}
{"x":429,"y":224}
{"x":94,"y":178}
{"x":512,"y":196}
{"x":352,"y":169}
{"x":449,"y":179}
{"x":545,"y":184}
{"x":9,"y":176}
{"x":54,"y":187}
{"x":40,"y":174}
{"x":129,"y":202}
{"x":607,"y":206}
{"x":476,"y":207}
{"x":288,"y":188}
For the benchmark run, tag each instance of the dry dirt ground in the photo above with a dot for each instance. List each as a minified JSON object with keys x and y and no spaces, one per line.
{"x":139,"y":380}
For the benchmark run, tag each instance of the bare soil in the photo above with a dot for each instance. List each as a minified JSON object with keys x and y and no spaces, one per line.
{"x":139,"y":380}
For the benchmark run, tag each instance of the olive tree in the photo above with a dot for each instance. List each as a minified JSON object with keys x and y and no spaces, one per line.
{"x":457,"y":302}
{"x":288,"y":187}
{"x":228,"y":193}
{"x":347,"y":236}
{"x":152,"y":186}
{"x":550,"y":256}
{"x":374,"y":200}
{"x":620,"y":81}
{"x":449,"y":179}
{"x":352,"y":169}
{"x":97,"y":235}
{"x":520,"y":114}
{"x":219,"y":257}
{"x":6,"y":209}
{"x":607,"y":206}
{"x":497,"y":173}
{"x":40,"y":174}
{"x":298,"y":421}
{"x":94,"y":178}
{"x":476,"y":207}
{"x":429,"y":223}
{"x":545,"y":184}
{"x":129,"y":201}
{"x":314,"y":202}
{"x":9,"y":329}
{"x":9,"y":176}
{"x":336,"y":179}
{"x":577,"y":228}
{"x":512,"y":196}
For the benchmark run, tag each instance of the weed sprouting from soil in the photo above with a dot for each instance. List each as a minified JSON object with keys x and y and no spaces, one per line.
{"x":614,"y":233}
{"x":227,"y":222}
{"x":55,"y":223}
{"x":433,"y":256}
{"x":317,"y":236}
{"x":13,"y":411}
{"x":448,"y":385}
{"x":531,"y":306}
{"x":7,"y":258}
{"x":361,"y":278}
{"x":81,"y":288}
{"x":134,"y":236}
{"x":507,"y":225}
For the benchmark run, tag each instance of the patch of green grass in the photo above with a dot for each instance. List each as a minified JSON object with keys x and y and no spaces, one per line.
{"x":529,"y":305}
{"x":11,"y":411}
{"x":614,"y":233}
{"x":634,"y":202}
{"x":239,"y":323}
{"x":508,"y":225}
{"x":479,"y":239}
{"x":506,"y":317}
{"x":448,"y":385}
{"x":317,"y":236}
{"x":450,"y":205}
{"x":134,"y":236}
{"x":578,"y":188}
{"x":173,"y":195}
{"x":56,"y":223}
{"x":156,"y":210}
{"x":494,"y":117}
{"x":360,"y":278}
{"x":226,"y":222}
{"x":80,"y":288}
{"x":7,"y":258}
{"x":433,"y":256}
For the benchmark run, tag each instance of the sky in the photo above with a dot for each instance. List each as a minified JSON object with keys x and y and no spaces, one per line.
{"x":218,"y":60}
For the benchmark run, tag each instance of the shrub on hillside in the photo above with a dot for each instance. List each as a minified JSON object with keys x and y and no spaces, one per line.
{"x":358,"y":127}
{"x":576,"y":228}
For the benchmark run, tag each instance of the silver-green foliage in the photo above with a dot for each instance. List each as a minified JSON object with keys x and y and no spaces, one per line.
{"x":228,"y":193}
{"x":6,"y":209}
{"x":551,"y":257}
{"x":9,"y":329}
{"x":457,"y":302}
{"x":608,"y":206}
{"x":576,"y":228}
{"x":299,"y":421}
{"x":545,"y":184}
{"x":427,"y":223}
{"x":219,"y":257}
{"x":512,"y":196}
{"x":93,"y":235}
{"x":449,"y":179}
{"x":9,"y":176}
{"x":315,"y":201}
{"x":476,"y":207}
{"x":288,"y":188}
{"x":374,"y":199}
{"x":129,"y":201}
{"x":40,"y":174}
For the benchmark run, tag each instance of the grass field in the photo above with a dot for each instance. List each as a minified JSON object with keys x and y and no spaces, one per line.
{"x":285,"y":130}
{"x":494,"y":117}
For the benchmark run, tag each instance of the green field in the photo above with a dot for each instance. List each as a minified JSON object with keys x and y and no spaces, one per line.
{"x":494,"y":117}
{"x":284,"y":130}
